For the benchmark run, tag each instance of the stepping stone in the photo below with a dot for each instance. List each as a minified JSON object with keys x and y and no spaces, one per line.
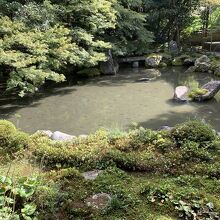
{"x":98,"y":201}
{"x":91,"y":175}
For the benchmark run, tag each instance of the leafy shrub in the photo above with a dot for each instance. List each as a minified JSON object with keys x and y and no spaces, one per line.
{"x":192,"y":151}
{"x":15,"y":198}
{"x":11,"y":140}
{"x":141,"y":137}
{"x":186,"y":205}
{"x":194,"y":130}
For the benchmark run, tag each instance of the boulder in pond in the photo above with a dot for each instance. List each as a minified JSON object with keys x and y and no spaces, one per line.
{"x":109,"y":67}
{"x":60,"y":136}
{"x":191,"y":69}
{"x":153,"y":60}
{"x":212,"y":89}
{"x":202,"y":64}
{"x":98,"y":201}
{"x":180,"y":93}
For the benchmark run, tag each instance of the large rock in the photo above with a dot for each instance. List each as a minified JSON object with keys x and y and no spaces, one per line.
{"x":173,"y":47}
{"x":180,"y":93}
{"x":191,"y":69}
{"x":217,"y":71}
{"x":60,"y":136}
{"x":110,"y":67}
{"x":202,"y":64}
{"x":98,"y":201}
{"x":212,"y":87}
{"x":153,"y":60}
{"x":189,"y":62}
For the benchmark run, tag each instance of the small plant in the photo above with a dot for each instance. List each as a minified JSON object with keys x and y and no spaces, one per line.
{"x":194,"y":93}
{"x":15,"y":198}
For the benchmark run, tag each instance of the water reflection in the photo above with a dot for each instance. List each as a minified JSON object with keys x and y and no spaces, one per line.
{"x":111,"y":101}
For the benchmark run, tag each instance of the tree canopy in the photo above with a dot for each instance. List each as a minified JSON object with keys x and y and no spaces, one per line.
{"x":41,"y":39}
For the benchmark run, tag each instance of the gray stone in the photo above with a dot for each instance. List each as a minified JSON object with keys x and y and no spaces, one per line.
{"x":189,"y":62}
{"x":202,"y":64}
{"x":144,"y":79}
{"x":217,"y":71}
{"x":165,"y":128}
{"x":98,"y":201}
{"x":212,"y":87}
{"x":47,"y":133}
{"x":202,"y":59}
{"x":91,"y":175}
{"x":180,"y":93}
{"x":110,"y":67}
{"x":135,"y":64}
{"x":173,"y":46}
{"x":202,"y":67}
{"x":60,"y":136}
{"x":153,"y":60}
{"x":191,"y":69}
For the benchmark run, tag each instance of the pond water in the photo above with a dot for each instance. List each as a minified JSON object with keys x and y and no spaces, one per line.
{"x":111,"y":102}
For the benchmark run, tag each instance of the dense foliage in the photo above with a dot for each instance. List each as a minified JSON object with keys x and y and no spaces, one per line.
{"x":45,"y":40}
{"x":175,"y":175}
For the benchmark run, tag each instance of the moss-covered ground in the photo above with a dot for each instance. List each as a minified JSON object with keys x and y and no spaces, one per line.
{"x":148,"y":174}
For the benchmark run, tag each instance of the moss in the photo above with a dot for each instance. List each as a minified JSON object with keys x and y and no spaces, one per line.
{"x":89,"y":72}
{"x":11,"y":140}
{"x":194,"y":93}
{"x":194,"y":130}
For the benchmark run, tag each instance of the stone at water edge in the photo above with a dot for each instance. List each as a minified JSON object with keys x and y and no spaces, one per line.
{"x":47,"y":133}
{"x":212,"y":87}
{"x":98,"y":201}
{"x":143,"y":79}
{"x":153,"y":60}
{"x":191,"y":69}
{"x":217,"y":72}
{"x":91,"y":175}
{"x":189,"y":62}
{"x":60,"y":136}
{"x":109,"y":67}
{"x":202,"y":64}
{"x":135,"y":64}
{"x":180,"y":93}
{"x":202,"y":59}
{"x":165,"y":128}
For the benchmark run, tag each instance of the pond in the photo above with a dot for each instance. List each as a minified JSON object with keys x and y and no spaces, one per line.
{"x":111,"y":102}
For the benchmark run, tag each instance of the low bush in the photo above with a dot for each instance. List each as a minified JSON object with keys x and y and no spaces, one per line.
{"x":194,"y":130}
{"x":11,"y":140}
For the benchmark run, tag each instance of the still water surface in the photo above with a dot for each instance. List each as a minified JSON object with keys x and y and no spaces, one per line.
{"x":111,"y":102}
